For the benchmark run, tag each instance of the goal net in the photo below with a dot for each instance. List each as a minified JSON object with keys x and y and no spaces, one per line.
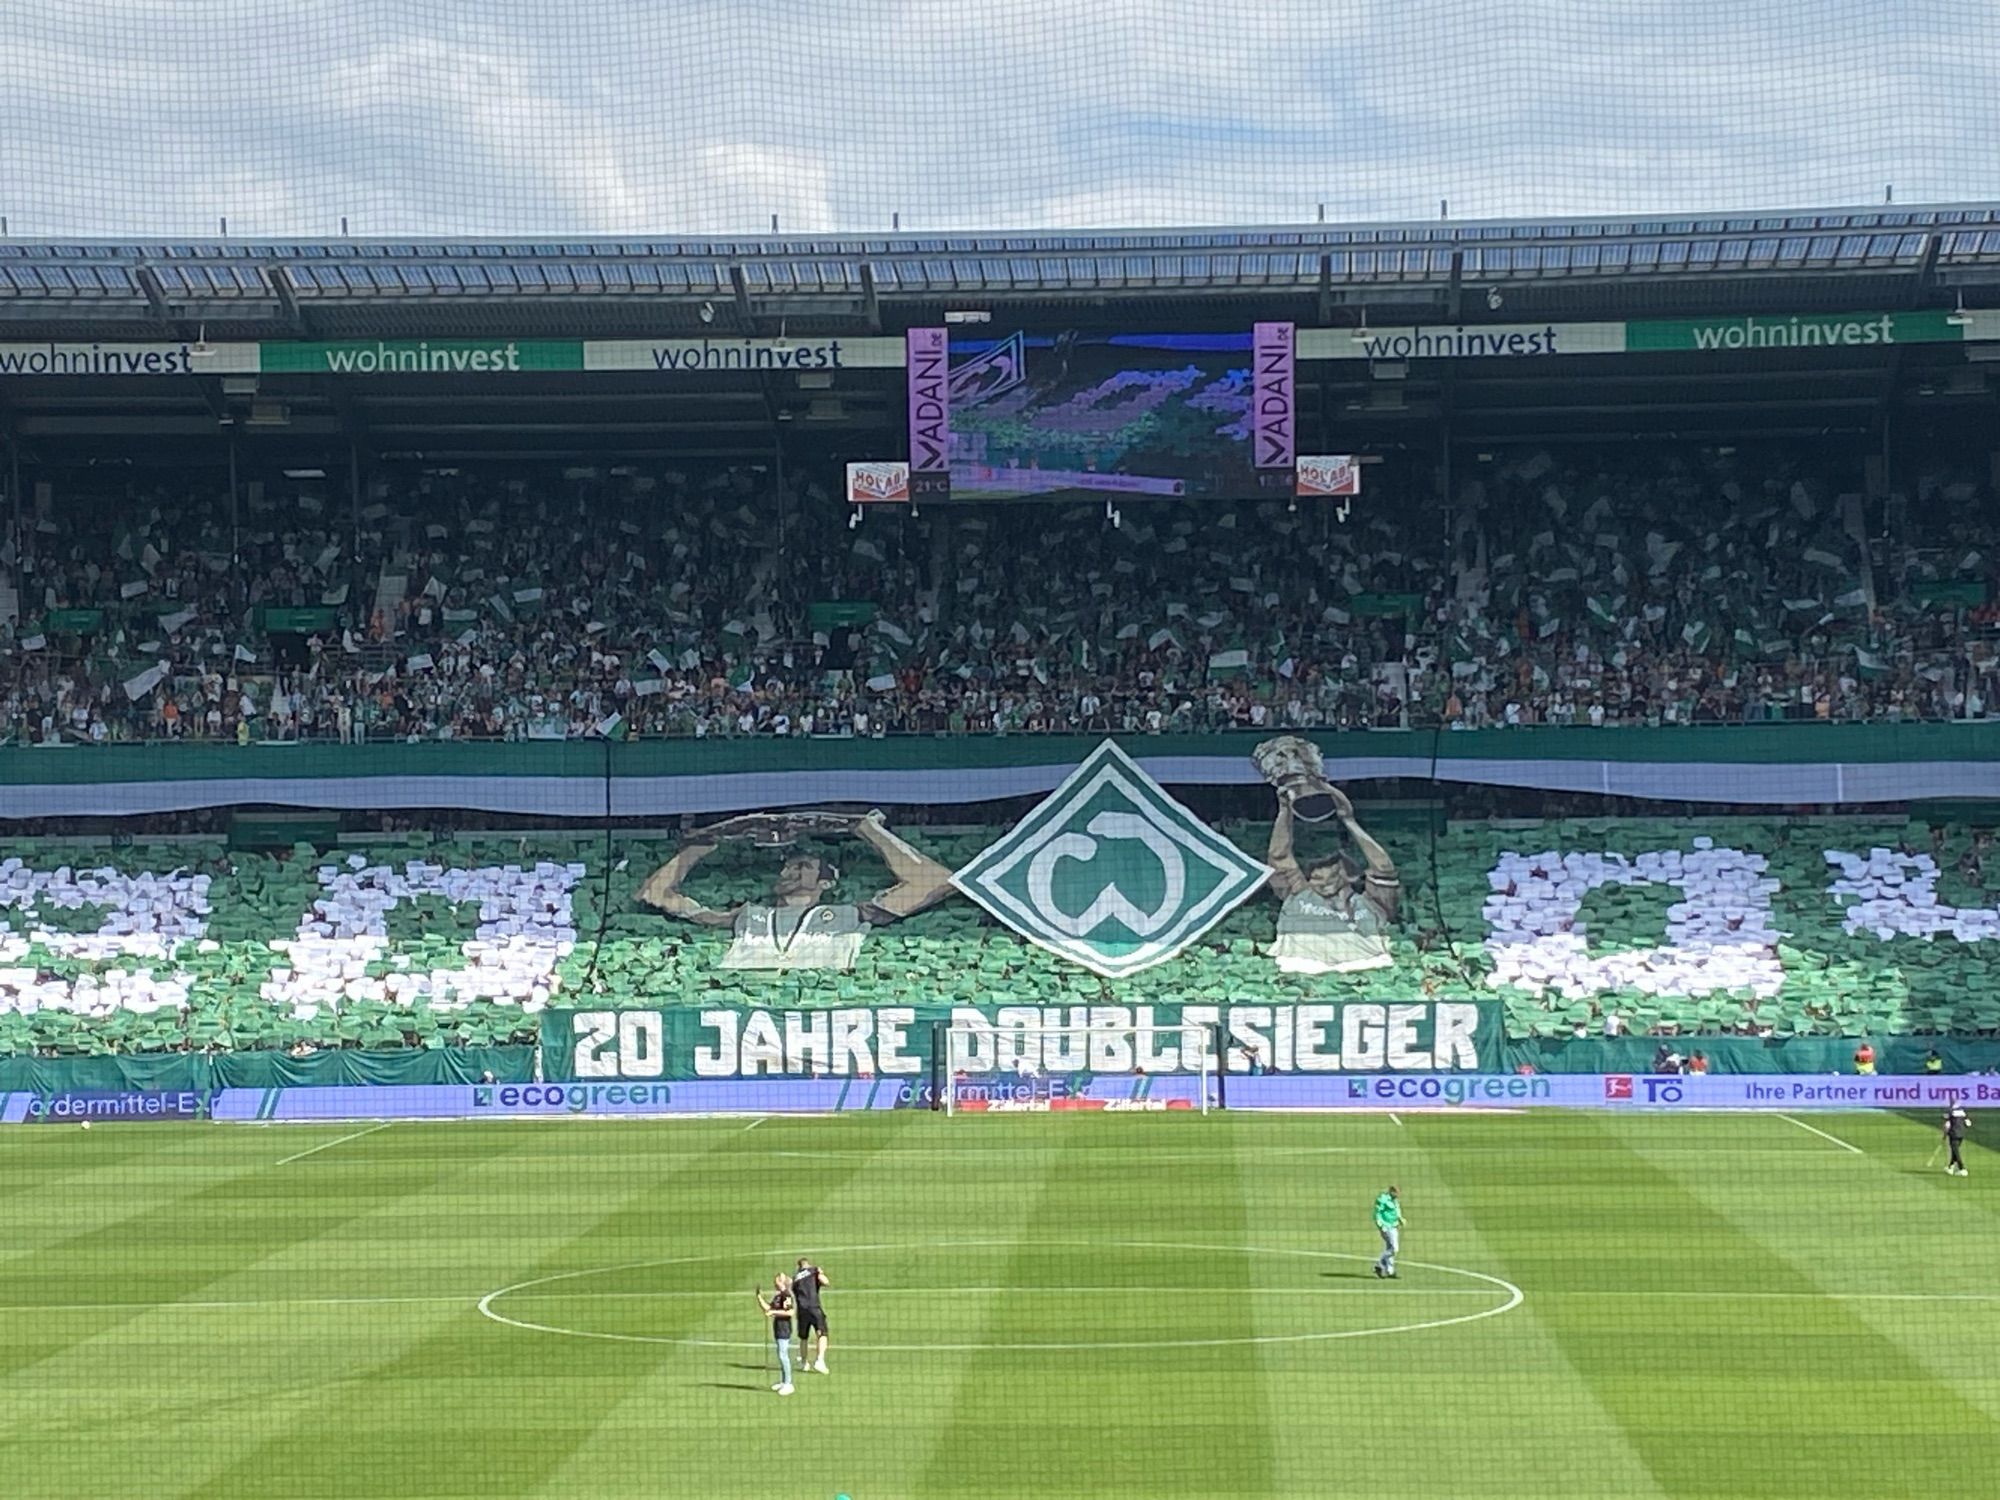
{"x":998,"y":1068}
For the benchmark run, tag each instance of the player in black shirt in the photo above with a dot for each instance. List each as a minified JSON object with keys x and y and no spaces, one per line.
{"x":1956,"y":1123}
{"x":807,"y":1283}
{"x":779,"y":1311}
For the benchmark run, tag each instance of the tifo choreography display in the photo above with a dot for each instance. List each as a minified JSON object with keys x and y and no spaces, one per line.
{"x":547,"y":782}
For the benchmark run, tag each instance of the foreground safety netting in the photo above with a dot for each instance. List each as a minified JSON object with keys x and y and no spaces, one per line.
{"x":516,"y":119}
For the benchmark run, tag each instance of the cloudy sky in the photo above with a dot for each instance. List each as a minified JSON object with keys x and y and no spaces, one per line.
{"x":518,"y":117}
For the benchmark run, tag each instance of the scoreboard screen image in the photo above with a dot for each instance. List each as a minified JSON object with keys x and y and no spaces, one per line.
{"x":1074,"y":416}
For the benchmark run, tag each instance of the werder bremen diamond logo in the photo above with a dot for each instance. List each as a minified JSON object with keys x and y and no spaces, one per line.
{"x":1110,"y":872}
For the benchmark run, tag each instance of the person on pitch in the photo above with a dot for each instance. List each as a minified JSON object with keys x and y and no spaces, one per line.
{"x":1389,"y":1224}
{"x":1956,"y":1123}
{"x":779,"y":1311}
{"x":807,"y":1283}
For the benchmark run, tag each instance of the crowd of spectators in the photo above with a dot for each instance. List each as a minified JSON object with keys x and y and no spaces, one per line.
{"x":1647,"y":587}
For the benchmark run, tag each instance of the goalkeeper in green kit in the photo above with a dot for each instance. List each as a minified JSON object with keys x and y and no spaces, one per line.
{"x":1389,"y":1224}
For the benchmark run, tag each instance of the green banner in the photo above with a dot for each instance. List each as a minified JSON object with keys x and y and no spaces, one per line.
{"x":308,"y":619}
{"x":200,"y":1072}
{"x":1387,"y":605}
{"x":740,"y":1041}
{"x":1770,"y":763}
{"x":827,"y":613}
{"x":1793,"y":331}
{"x":1950,"y":593}
{"x":1530,"y":341}
{"x":423,"y":357}
{"x":73,"y":621}
{"x":277,"y":830}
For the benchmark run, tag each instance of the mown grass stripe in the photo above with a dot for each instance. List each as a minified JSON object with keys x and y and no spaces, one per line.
{"x":209,"y":1238}
{"x":1165,"y":1404}
{"x":459,"y":1373}
{"x":1714,"y":1369}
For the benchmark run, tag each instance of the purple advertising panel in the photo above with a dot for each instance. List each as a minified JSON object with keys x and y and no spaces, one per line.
{"x":927,"y":370}
{"x":1614,"y":1091}
{"x":773,"y":1096}
{"x":71,"y":1107}
{"x":1273,"y":409}
{"x":1406,"y":1092}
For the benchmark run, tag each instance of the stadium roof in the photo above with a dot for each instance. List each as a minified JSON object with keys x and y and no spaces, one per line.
{"x":1878,"y":261}
{"x":1573,"y":266}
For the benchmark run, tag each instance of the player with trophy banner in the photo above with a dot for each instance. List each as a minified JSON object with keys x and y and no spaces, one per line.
{"x":1327,"y":925}
{"x":797,"y":928}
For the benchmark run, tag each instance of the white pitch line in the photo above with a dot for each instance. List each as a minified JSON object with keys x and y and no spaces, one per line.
{"x":1625,"y":1293}
{"x":753,"y":1124}
{"x":328,"y":1145}
{"x":1791,"y":1296}
{"x":1397,"y":1118}
{"x":1844,"y":1145}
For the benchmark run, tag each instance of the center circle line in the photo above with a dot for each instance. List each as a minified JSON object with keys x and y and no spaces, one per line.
{"x":1515,"y":1297}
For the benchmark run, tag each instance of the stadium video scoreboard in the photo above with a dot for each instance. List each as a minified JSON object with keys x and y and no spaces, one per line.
{"x":1072,"y":416}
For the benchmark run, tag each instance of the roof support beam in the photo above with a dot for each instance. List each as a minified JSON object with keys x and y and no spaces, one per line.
{"x":156,"y":292}
{"x":871,"y":307}
{"x":287,"y":292}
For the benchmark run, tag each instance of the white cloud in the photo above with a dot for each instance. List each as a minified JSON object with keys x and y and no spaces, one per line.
{"x":494,"y":117}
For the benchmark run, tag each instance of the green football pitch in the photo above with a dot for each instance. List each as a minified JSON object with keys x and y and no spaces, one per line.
{"x":1130,"y":1305}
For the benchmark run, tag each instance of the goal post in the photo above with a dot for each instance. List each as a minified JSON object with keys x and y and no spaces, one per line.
{"x":984,"y":1066}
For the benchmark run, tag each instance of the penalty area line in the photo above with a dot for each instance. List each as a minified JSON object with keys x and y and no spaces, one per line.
{"x":329,"y":1145}
{"x":1844,"y":1145}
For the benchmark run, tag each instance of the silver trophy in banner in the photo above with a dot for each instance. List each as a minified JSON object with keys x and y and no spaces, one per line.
{"x":780,"y":830}
{"x":1294,"y":766}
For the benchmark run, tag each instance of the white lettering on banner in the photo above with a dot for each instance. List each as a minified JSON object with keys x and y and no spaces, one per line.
{"x":1110,"y":1039}
{"x":1065,"y":1051}
{"x":642,"y":1044}
{"x":1013,"y":1039}
{"x":1249,"y":1036}
{"x":1364,"y":1036}
{"x":1895,"y":895}
{"x":526,"y":927}
{"x":763,"y":1049}
{"x":592,"y":1055}
{"x":892,"y":1034}
{"x":1198,"y":1023}
{"x":1719,"y":935}
{"x":806,"y":1046}
{"x":974,"y":1043}
{"x":1454,"y":1028}
{"x":1314,"y":1056}
{"x":1401,"y":1034}
{"x":718,"y":1061}
{"x":853,"y":1031}
{"x":1154,"y":1057}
